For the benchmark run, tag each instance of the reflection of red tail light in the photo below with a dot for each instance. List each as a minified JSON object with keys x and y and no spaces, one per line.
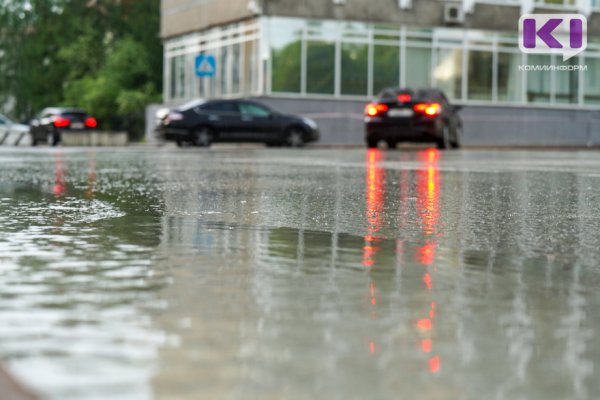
{"x":428,"y":191}
{"x":426,"y":254}
{"x":375,"y":187}
{"x":424,"y":324}
{"x":429,"y":156}
{"x":435,"y":364}
{"x":426,"y":345}
{"x":59,"y":187}
{"x":374,"y":192}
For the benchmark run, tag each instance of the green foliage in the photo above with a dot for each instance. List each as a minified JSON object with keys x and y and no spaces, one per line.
{"x":101,"y":55}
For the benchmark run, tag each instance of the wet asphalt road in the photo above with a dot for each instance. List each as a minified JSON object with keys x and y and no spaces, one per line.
{"x":315,"y":274}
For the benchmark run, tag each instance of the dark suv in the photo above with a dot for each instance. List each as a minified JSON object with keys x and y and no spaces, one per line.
{"x":204,"y":122}
{"x":404,"y":115}
{"x":49,"y":124}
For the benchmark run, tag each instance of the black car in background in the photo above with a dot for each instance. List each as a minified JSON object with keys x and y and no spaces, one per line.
{"x":404,"y":115}
{"x":49,"y":124}
{"x":202,"y":123}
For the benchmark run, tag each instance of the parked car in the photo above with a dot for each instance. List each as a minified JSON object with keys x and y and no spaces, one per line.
{"x":7,"y":126}
{"x":405,"y":115}
{"x":202,"y":123}
{"x":48,"y":125}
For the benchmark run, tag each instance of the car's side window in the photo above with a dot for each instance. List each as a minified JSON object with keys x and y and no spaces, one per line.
{"x":221,"y":107}
{"x":254,"y":110}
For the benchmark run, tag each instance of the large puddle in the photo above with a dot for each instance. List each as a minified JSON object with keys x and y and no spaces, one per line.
{"x":328,"y":274}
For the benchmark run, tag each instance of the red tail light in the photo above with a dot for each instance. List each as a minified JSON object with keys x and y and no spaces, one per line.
{"x":404,"y":98}
{"x":373,"y":110}
{"x":61,"y":122}
{"x":91,"y":122}
{"x":429,"y":109}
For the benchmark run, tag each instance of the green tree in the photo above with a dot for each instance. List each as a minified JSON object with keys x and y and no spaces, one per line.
{"x":101,"y":55}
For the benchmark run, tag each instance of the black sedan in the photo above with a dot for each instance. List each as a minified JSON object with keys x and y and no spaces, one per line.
{"x":202,"y":123}
{"x":404,"y":115}
{"x":48,"y":125}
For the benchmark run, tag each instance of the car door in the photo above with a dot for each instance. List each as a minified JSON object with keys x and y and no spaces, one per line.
{"x":260,"y":123}
{"x":224,"y":117}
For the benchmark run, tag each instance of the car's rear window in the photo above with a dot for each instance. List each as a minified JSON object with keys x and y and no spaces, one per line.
{"x":418,"y":95}
{"x":74,"y":116}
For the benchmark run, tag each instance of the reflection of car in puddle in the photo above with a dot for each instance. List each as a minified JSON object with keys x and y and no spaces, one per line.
{"x":428,"y":193}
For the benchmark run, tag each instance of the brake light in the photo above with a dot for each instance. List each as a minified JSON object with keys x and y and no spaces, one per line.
{"x":61,"y":122}
{"x":429,"y":109}
{"x":91,"y":122}
{"x":404,"y":98}
{"x":373,"y":110}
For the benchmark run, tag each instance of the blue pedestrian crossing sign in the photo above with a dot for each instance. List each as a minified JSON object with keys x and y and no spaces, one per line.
{"x":206,"y":66}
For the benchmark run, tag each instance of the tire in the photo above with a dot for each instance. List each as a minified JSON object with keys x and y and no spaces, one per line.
{"x":53,"y":139}
{"x":203,"y":137}
{"x":294,"y":137}
{"x":392,"y":144}
{"x":444,"y":142}
{"x":179,"y":142}
{"x":457,"y":134}
{"x":372,"y":143}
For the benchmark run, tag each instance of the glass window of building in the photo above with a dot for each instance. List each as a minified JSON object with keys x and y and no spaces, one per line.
{"x":480,"y":75}
{"x":538,"y":82}
{"x":355,"y":69}
{"x":235,"y":68}
{"x":320,"y":67}
{"x":592,"y":81}
{"x":223,"y":71}
{"x":510,"y":79}
{"x":418,"y":67}
{"x":285,"y":37}
{"x":173,"y":80}
{"x":386,"y":67}
{"x":447,"y":72}
{"x":567,"y":84}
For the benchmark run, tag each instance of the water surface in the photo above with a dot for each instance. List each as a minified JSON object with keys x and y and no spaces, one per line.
{"x":331,"y":274}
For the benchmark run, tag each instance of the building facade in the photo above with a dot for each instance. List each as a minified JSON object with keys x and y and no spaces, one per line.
{"x":306,"y":55}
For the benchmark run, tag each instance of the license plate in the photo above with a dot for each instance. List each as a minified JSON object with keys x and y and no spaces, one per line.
{"x":401,"y":112}
{"x":77,"y":125}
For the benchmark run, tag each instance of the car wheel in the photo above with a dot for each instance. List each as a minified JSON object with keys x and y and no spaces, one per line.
{"x":294,"y":138}
{"x":179,"y":142}
{"x":372,"y":143}
{"x":391,"y":144}
{"x":203,"y":137}
{"x":457,"y":134}
{"x":444,"y":141}
{"x":52,"y":139}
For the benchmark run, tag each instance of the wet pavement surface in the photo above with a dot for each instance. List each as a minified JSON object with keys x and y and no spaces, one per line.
{"x":243,"y":273}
